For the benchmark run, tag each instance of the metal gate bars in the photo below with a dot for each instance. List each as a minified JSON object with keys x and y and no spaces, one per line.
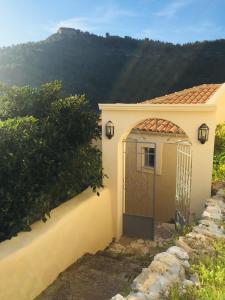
{"x":183,"y":183}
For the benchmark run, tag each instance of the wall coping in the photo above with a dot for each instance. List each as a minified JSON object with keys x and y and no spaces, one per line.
{"x":159,"y":107}
{"x":31,"y":261}
{"x":40,"y":228}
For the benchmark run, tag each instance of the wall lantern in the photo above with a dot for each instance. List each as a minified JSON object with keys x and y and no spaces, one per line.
{"x":109,"y":129}
{"x":203,"y":133}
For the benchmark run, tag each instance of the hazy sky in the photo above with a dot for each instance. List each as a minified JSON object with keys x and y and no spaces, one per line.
{"x":177,"y":21}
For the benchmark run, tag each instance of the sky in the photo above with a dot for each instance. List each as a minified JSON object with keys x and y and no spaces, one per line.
{"x":176,"y":21}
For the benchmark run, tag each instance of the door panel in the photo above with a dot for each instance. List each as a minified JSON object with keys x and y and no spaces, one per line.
{"x":139,"y":188}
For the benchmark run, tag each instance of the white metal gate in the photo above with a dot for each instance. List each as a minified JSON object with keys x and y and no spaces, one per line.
{"x":183,"y":183}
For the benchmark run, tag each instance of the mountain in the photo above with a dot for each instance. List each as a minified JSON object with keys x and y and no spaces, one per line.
{"x":112,"y":68}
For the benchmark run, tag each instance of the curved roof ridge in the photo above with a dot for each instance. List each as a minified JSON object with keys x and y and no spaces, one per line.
{"x":195,"y":95}
{"x":160,"y":126}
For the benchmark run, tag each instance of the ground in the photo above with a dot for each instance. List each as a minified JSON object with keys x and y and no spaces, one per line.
{"x":101,"y":276}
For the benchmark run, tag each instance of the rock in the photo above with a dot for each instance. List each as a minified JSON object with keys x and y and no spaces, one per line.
{"x":151,"y":244}
{"x":138,"y":247}
{"x":211,"y":202}
{"x":220,"y":201}
{"x":142,"y":279}
{"x":158,"y":286}
{"x":140,"y":241}
{"x":135,"y":245}
{"x":160,"y":244}
{"x":137,"y":296}
{"x":199,"y":242}
{"x":144,"y":250}
{"x":187,"y":283}
{"x":166,"y":226}
{"x":173,"y":263}
{"x":221,"y":192}
{"x":154,"y":284}
{"x":206,"y":222}
{"x":212,"y":231}
{"x":167,"y":240}
{"x":178,"y":252}
{"x":117,"y":248}
{"x":182,"y":244}
{"x":182,"y":291}
{"x":158,"y":267}
{"x":195,"y":279}
{"x":174,"y":266}
{"x":118,"y":297}
{"x":159,"y":239}
{"x":145,"y":296}
{"x":213,"y":212}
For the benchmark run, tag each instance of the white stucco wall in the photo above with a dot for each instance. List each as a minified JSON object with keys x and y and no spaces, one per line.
{"x":32,"y":260}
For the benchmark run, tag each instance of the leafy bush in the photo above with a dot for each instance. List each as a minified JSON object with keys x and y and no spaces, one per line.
{"x":28,"y":101}
{"x":219,"y":154}
{"x":45,"y":158}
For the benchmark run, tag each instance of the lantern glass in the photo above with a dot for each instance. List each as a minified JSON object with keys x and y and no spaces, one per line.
{"x":109,"y":129}
{"x":203,"y":133}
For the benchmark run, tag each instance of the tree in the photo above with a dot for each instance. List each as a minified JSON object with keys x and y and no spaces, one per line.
{"x":46,"y":153}
{"x":26,"y":101}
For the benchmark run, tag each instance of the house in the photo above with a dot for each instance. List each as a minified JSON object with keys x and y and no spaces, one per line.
{"x":140,"y":139}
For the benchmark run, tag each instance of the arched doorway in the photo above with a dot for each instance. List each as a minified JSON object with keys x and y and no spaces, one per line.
{"x":156,"y":176}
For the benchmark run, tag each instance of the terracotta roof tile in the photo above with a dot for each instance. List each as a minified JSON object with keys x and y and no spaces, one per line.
{"x":195,"y":95}
{"x":159,"y":126}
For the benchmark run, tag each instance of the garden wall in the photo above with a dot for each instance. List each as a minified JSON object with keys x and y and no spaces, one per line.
{"x":32,"y":260}
{"x":171,"y":268}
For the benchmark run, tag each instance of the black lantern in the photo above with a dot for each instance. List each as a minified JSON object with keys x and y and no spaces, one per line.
{"x":203,"y":133}
{"x":109,"y":129}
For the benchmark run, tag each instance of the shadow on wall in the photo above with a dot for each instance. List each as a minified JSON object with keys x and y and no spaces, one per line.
{"x":31,"y":261}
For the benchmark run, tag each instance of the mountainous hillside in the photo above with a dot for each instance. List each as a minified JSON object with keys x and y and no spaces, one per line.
{"x":111,"y":68}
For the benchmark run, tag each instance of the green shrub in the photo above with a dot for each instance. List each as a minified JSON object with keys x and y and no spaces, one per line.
{"x":220,"y":139}
{"x":28,"y":101}
{"x":211,"y":273}
{"x":45,"y":159}
{"x":219,"y":154}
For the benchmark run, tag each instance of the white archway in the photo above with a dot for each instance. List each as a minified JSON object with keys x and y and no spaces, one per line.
{"x":188,"y":117}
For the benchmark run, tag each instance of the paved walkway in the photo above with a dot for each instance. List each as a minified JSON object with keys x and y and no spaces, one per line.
{"x":101,"y":276}
{"x":95,"y":277}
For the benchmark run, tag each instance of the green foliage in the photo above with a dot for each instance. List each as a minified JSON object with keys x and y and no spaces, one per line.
{"x":113,"y":68}
{"x":211,"y":273}
{"x":220,"y":139}
{"x":219,"y":154}
{"x":46,"y":153}
{"x":26,"y":101}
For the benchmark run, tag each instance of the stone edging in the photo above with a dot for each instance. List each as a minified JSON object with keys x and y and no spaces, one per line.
{"x":170,"y":268}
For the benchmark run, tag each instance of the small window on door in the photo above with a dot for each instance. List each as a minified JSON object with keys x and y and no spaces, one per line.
{"x":149,"y":157}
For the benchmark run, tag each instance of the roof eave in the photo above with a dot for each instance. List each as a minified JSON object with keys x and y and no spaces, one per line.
{"x":149,"y":132}
{"x":157,"y":107}
{"x":213,"y":100}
